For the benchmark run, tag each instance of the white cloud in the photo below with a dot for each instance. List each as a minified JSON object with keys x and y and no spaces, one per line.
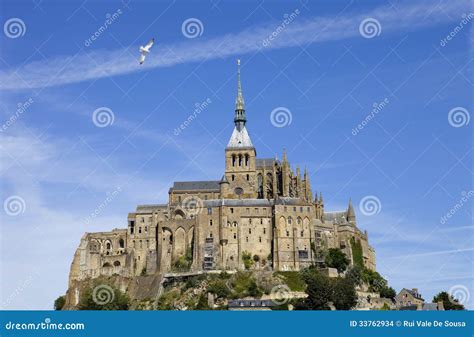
{"x":302,"y":31}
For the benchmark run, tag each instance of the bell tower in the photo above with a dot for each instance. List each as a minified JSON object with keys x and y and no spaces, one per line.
{"x":240,"y":154}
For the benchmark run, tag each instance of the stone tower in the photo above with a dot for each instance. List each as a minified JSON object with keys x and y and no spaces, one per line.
{"x":240,"y":154}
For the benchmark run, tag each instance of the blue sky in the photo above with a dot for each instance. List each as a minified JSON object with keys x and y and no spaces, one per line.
{"x":413,"y":156}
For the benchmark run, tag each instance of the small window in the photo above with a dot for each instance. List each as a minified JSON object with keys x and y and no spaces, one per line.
{"x":146,"y":229}
{"x":210,"y":235}
{"x":248,"y":210}
{"x":247,"y":238}
{"x":259,"y":239}
{"x":301,"y":209}
{"x":205,"y":197}
{"x":309,"y":209}
{"x":261,"y":221}
{"x":235,"y":236}
{"x":139,"y":230}
{"x":264,"y":231}
{"x":294,"y":209}
{"x":179,"y":198}
{"x":209,"y":210}
{"x":250,"y":230}
{"x":233,"y":177}
{"x":288,"y":247}
{"x":250,"y":221}
{"x":210,"y":222}
{"x":287,"y":233}
{"x":231,"y":210}
{"x":302,"y":233}
{"x":141,"y":244}
{"x":248,"y":177}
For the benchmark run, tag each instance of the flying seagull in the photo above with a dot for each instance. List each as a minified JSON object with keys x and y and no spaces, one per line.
{"x":145,"y":50}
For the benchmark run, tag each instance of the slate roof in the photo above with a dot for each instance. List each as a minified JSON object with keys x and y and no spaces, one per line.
{"x":409,"y":307}
{"x":265,"y":162}
{"x":196,"y":185}
{"x":430,"y":306}
{"x":151,"y":208}
{"x":330,"y":216}
{"x":240,"y":138}
{"x":414,"y":294}
{"x":250,"y":303}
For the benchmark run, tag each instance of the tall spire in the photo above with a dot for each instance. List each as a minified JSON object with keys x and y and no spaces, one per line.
{"x":239,"y":117}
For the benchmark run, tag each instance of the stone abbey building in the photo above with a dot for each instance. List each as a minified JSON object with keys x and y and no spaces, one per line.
{"x":260,"y":210}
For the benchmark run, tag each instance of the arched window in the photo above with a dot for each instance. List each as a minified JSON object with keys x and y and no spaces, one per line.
{"x":233,"y":160}
{"x":290,"y":220}
{"x":240,"y":160}
{"x":269,"y":185}
{"x":117,"y":263}
{"x":121,"y":243}
{"x":246,"y":160}
{"x":259,"y":186}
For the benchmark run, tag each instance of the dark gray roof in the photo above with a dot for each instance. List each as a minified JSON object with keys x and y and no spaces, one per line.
{"x":265,"y":162}
{"x":250,"y":303}
{"x":196,"y":185}
{"x":330,"y":216}
{"x":414,"y":294}
{"x":409,"y":307}
{"x":151,"y":208}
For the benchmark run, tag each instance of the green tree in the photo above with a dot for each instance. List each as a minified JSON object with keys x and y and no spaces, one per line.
{"x":388,"y":292}
{"x":247,"y":258}
{"x":103,"y":297}
{"x":344,"y":296}
{"x":59,"y":303}
{"x":336,"y":259}
{"x":319,"y":290}
{"x":202,"y":303}
{"x":449,"y":302}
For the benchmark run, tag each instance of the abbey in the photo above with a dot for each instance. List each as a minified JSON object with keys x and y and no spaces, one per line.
{"x":260,"y":215}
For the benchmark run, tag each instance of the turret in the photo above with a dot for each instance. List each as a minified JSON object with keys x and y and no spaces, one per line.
{"x":350,"y":213}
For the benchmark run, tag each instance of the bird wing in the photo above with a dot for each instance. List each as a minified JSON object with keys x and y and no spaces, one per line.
{"x":142,"y":58}
{"x":149,"y":44}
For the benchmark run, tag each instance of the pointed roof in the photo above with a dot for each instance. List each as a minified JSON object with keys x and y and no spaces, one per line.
{"x":350,"y":212}
{"x":240,"y":138}
{"x":224,"y":180}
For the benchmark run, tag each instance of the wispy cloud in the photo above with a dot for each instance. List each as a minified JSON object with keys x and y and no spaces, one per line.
{"x":302,"y":31}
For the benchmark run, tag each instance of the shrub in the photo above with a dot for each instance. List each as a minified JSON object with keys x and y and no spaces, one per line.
{"x":219,"y":288}
{"x":337,"y":259}
{"x":293,"y":280}
{"x":59,"y":303}
{"x":247,"y":258}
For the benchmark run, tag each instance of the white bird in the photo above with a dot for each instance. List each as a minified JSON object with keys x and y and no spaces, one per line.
{"x":145,"y":50}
